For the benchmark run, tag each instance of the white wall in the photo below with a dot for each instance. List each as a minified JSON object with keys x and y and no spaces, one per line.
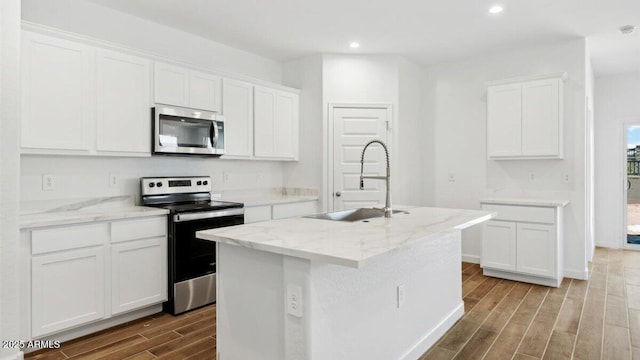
{"x":82,"y":177}
{"x":88,"y":177}
{"x":616,"y":102}
{"x":460,"y":140}
{"x":306,"y":74}
{"x":9,"y":172}
{"x":100,"y":22}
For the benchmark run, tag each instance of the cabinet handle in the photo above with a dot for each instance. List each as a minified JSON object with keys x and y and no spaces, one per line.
{"x":338,"y":194}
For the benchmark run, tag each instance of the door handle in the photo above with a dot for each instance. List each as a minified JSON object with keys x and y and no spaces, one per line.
{"x":338,"y":194}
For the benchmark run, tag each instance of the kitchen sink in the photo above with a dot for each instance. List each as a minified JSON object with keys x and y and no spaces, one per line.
{"x":353,"y":214}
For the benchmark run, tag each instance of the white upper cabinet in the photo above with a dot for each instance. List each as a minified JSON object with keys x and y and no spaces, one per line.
{"x":275,"y":123}
{"x":171,"y":84}
{"x":504,"y":109}
{"x":541,"y":131}
{"x":205,"y":91}
{"x":175,"y":85}
{"x":238,"y":118}
{"x":123,"y":102}
{"x":56,"y":97}
{"x":524,"y":120}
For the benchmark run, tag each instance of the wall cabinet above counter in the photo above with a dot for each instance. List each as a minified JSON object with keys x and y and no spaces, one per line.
{"x":82,"y":96}
{"x":524,"y":118}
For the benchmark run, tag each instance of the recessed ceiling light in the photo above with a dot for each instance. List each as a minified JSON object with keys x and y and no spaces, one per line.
{"x":496,"y":9}
{"x":627,"y":29}
{"x":354,"y":45}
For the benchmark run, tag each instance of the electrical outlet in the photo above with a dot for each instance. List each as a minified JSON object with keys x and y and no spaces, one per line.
{"x":48,"y":182}
{"x":452,"y":177}
{"x":566,"y":178}
{"x":225,"y":177}
{"x":113,"y":180}
{"x":259,"y":177}
{"x":532,"y":177}
{"x":400,"y":291}
{"x":294,"y":300}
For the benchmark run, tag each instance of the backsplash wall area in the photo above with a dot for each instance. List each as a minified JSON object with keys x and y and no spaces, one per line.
{"x":82,"y":177}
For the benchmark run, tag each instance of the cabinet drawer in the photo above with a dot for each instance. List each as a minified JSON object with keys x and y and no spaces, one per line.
{"x":257,"y":213}
{"x":294,"y":209}
{"x":533,"y":214}
{"x":138,"y":229}
{"x":69,"y":237}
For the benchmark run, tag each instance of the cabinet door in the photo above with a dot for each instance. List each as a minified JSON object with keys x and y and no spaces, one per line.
{"x":536,"y":249}
{"x":286,"y":125}
{"x":499,"y":245}
{"x":205,"y":91}
{"x":55,"y":93}
{"x":257,"y":213}
{"x":67,"y":289}
{"x":138,"y":274}
{"x":264,"y":121}
{"x":238,"y":118}
{"x":541,"y":118}
{"x":171,"y":85}
{"x":275,"y":123}
{"x":504,"y":120}
{"x":123,"y":103}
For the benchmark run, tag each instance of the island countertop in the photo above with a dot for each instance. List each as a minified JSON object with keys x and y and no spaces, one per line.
{"x":352,"y":244}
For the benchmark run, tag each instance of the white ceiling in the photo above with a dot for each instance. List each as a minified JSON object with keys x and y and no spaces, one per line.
{"x":426,"y":31}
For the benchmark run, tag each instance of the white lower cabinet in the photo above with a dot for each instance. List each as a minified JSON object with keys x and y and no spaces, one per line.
{"x":523,"y":243}
{"x":138,"y":274}
{"x":68,"y":289}
{"x":536,"y":249}
{"x":84,"y":273}
{"x":499,"y":245}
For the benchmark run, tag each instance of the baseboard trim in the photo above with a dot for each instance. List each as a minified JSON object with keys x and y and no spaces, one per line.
{"x":576,"y":274}
{"x":522,"y":277}
{"x":432,"y":336}
{"x":475,"y":259}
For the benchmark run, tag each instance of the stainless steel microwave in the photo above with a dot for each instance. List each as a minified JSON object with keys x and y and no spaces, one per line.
{"x":182,"y":131}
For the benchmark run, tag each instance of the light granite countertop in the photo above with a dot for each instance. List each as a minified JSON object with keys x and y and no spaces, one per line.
{"x":524,"y":201}
{"x":252,"y":198}
{"x":77,"y":211}
{"x":352,"y":244}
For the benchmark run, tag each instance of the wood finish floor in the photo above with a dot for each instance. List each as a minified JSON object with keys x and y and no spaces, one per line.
{"x":595,"y":319}
{"x":160,"y":336}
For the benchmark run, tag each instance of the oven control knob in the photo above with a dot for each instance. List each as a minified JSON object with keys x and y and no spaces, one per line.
{"x":152,"y":184}
{"x":159,"y":184}
{"x":205,"y":182}
{"x":199,"y":183}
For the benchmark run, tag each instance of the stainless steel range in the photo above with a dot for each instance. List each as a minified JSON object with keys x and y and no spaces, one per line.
{"x":192,"y":262}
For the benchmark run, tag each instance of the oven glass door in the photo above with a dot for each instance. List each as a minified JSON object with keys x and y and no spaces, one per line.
{"x":182,"y":134}
{"x":194,"y":257}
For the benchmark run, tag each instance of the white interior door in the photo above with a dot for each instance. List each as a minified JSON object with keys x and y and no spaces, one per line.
{"x":353,"y":128}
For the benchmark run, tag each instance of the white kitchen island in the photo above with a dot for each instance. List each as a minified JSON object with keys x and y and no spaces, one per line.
{"x":318,"y":289}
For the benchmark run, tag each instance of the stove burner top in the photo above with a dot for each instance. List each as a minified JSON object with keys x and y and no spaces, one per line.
{"x":199,"y":206}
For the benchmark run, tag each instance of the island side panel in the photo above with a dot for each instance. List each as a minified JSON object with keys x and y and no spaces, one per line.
{"x":355,"y":314}
{"x":250,"y":304}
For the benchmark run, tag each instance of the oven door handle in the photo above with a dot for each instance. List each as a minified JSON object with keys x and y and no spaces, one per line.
{"x":207,"y":215}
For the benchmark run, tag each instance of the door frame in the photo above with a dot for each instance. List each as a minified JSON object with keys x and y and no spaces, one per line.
{"x":329,"y":143}
{"x":626,"y":124}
